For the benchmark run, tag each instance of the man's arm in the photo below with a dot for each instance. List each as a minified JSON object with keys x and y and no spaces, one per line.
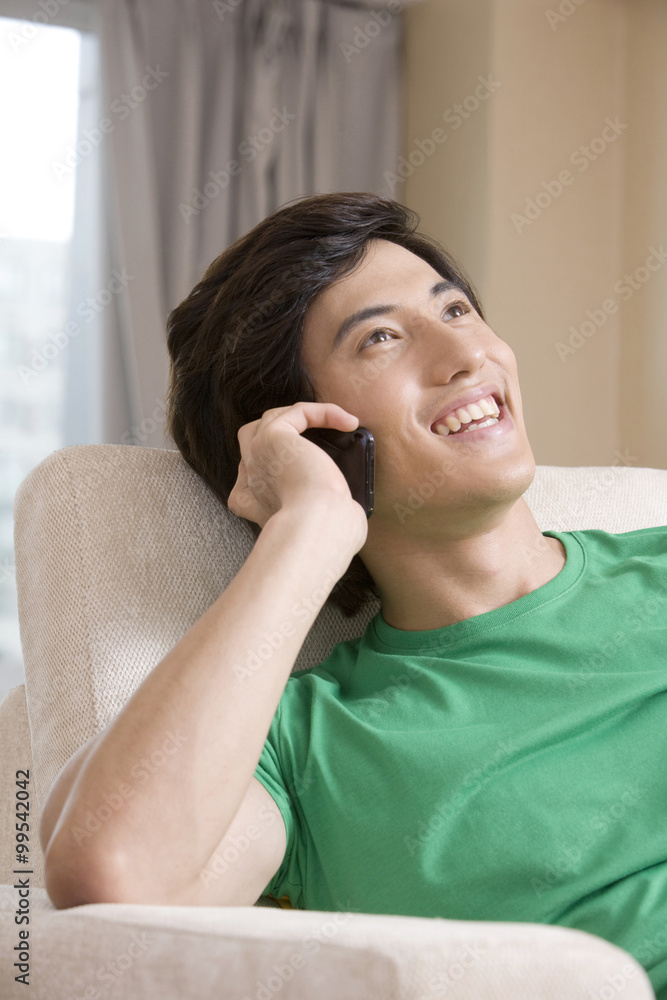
{"x":158,"y":790}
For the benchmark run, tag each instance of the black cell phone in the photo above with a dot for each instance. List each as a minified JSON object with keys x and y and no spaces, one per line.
{"x":354,"y":454}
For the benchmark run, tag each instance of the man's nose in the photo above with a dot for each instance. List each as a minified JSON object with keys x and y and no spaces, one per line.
{"x":448,"y":349}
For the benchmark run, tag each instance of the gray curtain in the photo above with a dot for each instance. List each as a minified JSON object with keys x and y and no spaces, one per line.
{"x":219,"y":113}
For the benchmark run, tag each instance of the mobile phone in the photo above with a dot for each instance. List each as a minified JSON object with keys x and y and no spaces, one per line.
{"x":354,"y":454}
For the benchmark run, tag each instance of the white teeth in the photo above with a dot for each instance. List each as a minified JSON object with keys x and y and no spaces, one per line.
{"x":478,"y":427}
{"x":475,"y":411}
{"x":465,"y":414}
{"x":441,"y":429}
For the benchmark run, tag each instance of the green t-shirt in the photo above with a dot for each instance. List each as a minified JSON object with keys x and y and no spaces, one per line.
{"x":508,"y":767}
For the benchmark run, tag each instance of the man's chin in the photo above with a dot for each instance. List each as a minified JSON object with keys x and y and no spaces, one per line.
{"x":445,"y":492}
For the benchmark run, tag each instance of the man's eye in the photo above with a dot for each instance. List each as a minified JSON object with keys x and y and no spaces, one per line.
{"x":457,"y":309}
{"x":461,"y":307}
{"x":375,"y":333}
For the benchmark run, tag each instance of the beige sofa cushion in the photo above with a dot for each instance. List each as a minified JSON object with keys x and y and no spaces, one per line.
{"x":120,"y":549}
{"x":245,"y":953}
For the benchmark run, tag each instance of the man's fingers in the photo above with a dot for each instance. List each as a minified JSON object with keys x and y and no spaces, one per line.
{"x":271,"y":444}
{"x":240,"y":484}
{"x":303,"y":415}
{"x":299,"y":416}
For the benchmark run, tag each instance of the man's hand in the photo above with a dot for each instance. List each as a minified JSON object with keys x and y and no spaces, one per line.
{"x":281,"y":469}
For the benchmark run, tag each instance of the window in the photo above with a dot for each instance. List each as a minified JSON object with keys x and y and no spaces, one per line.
{"x":49,"y":262}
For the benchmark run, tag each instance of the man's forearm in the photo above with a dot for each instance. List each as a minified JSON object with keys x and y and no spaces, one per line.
{"x":160,"y":789}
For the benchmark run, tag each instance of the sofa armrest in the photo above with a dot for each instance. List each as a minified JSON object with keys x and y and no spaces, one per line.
{"x":247,"y":953}
{"x":16,"y":754}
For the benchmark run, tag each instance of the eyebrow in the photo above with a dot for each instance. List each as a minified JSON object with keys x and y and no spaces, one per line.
{"x":370,"y":311}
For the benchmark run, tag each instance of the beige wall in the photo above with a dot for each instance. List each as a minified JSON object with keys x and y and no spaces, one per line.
{"x":554,"y":85}
{"x":643,"y":354}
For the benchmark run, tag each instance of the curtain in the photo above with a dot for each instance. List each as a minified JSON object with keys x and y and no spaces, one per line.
{"x":215,"y":115}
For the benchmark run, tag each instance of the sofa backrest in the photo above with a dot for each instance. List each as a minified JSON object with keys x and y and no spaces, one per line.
{"x":120,"y":549}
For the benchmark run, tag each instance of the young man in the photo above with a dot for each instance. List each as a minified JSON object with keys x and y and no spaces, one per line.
{"x":493,"y":746}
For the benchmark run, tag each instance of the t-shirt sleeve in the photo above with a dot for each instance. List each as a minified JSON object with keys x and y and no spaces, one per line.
{"x":270,"y":771}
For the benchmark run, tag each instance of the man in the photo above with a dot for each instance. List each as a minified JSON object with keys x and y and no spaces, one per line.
{"x":493,"y":746}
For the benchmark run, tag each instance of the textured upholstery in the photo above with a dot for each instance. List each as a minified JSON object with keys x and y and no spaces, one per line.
{"x":128,"y":952}
{"x":119,"y":550}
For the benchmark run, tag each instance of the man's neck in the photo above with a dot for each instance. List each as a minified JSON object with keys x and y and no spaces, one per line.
{"x":430,"y":582}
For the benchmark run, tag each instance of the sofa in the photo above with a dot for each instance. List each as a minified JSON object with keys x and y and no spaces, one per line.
{"x":119,"y":550}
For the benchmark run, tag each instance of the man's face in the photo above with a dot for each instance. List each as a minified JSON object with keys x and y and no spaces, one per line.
{"x":399,"y":370}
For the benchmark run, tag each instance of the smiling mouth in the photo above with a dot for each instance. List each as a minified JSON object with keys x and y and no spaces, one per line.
{"x":471,"y":418}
